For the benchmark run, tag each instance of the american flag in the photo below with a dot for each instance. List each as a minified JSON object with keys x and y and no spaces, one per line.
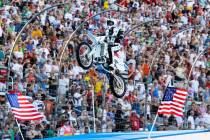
{"x":22,"y":108}
{"x":173,"y":101}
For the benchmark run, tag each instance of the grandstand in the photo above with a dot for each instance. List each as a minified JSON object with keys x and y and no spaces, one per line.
{"x":165,"y":44}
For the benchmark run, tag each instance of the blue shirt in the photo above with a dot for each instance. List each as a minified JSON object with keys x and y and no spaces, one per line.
{"x":136,"y":107}
{"x":155,"y":92}
{"x":29,"y":47}
{"x":1,"y":55}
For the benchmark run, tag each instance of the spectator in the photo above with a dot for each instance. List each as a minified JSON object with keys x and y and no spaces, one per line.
{"x":134,"y":119}
{"x":136,"y":106}
{"x":66,"y":129}
{"x":207,"y":119}
{"x":36,"y":70}
{"x":191,"y":120}
{"x":32,"y":133}
{"x":119,"y":119}
{"x":6,"y":134}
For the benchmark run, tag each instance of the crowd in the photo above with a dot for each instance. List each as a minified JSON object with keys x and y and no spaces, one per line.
{"x":66,"y":94}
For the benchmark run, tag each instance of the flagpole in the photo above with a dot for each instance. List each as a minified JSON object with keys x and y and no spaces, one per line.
{"x":19,"y":129}
{"x":150,"y":132}
{"x":93,"y":104}
{"x":16,"y":122}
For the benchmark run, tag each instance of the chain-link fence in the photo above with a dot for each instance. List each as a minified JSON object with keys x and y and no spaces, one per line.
{"x":68,"y":93}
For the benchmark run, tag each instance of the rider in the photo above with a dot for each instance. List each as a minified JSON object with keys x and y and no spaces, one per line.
{"x":114,"y":35}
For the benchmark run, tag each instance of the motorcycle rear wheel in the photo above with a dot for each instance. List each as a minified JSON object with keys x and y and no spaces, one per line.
{"x":83,"y":59}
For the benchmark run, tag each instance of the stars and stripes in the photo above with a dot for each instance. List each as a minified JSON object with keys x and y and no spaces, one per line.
{"x":173,"y":101}
{"x":22,"y":108}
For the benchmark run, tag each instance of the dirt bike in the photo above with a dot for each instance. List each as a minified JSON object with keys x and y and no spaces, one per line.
{"x":97,"y":54}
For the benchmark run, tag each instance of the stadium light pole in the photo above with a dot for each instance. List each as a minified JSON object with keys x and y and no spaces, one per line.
{"x":79,"y":27}
{"x":145,"y":79}
{"x":157,"y":57}
{"x":194,"y":63}
{"x":13,"y":46}
{"x":111,"y":10}
{"x":21,"y":31}
{"x":38,"y":14}
{"x":188,"y":81}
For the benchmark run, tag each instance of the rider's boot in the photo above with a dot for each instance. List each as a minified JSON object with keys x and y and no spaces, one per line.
{"x":110,"y":61}
{"x":111,"y":67}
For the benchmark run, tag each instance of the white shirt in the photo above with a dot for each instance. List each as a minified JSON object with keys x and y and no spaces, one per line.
{"x":45,"y":50}
{"x":190,"y":3}
{"x":72,"y":119}
{"x":43,"y":18}
{"x":195,"y":85}
{"x":173,"y":40}
{"x":184,"y":19}
{"x":52,"y":19}
{"x":135,"y":47}
{"x":63,"y":85}
{"x":55,"y":68}
{"x":180,"y":72}
{"x":172,"y":6}
{"x":48,"y":68}
{"x":127,"y":106}
{"x":68,"y":16}
{"x":192,"y":56}
{"x":200,"y":128}
{"x":38,"y":104}
{"x":198,"y":120}
{"x":76,"y":70}
{"x":35,"y":1}
{"x":138,"y":76}
{"x":36,"y":42}
{"x":207,"y":119}
{"x":192,"y":121}
{"x":78,"y":100}
{"x":196,"y":73}
{"x":167,"y":59}
{"x":200,"y":63}
{"x":179,"y":121}
{"x":130,"y":87}
{"x":18,"y":68}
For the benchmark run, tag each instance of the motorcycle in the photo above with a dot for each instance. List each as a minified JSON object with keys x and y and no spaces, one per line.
{"x":97,"y":54}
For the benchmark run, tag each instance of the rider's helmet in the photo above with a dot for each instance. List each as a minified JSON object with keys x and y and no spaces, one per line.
{"x":111,"y":23}
{"x":114,"y":30}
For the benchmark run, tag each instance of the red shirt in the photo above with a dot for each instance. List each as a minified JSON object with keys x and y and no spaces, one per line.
{"x":168,"y":16}
{"x":123,"y":3}
{"x":208,"y":84}
{"x":135,"y":125}
{"x":145,"y":68}
{"x":130,"y":98}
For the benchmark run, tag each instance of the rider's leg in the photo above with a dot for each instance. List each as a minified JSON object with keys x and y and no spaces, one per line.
{"x":110,"y":55}
{"x":111,"y":51}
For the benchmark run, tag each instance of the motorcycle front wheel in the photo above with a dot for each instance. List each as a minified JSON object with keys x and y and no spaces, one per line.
{"x":117,"y":85}
{"x":84,"y":60}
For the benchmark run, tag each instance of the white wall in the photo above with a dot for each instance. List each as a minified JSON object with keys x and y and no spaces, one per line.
{"x":196,"y":136}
